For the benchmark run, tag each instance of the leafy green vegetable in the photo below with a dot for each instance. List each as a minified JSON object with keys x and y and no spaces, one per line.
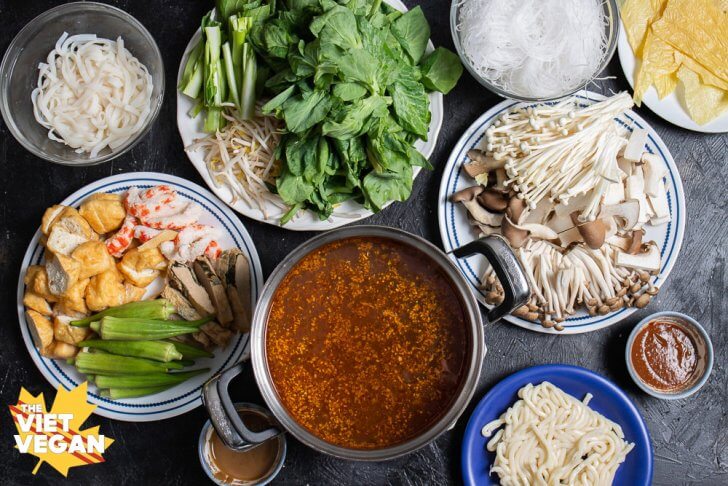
{"x":412,"y":106}
{"x":192,"y":76}
{"x":349,"y":91}
{"x":349,"y":78}
{"x":293,"y":188}
{"x":279,"y":99}
{"x":413,"y":32}
{"x":353,"y":122}
{"x":381,"y":188}
{"x":249,"y":67}
{"x":360,"y":65}
{"x":338,"y":27}
{"x":222,"y":68}
{"x":441,"y":70}
{"x":226,"y":8}
{"x":306,"y":110}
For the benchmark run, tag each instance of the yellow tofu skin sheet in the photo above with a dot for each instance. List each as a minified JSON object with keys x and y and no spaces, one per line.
{"x":681,"y":42}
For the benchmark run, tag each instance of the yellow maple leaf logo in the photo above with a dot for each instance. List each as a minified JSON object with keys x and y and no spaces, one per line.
{"x":56,"y":436}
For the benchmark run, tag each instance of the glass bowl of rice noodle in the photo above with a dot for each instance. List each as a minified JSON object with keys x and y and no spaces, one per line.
{"x":19,"y":75}
{"x":508,"y":46}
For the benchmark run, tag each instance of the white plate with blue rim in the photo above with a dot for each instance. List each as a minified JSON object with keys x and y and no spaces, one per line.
{"x":185,"y":396}
{"x":190,"y":129}
{"x":455,"y":230}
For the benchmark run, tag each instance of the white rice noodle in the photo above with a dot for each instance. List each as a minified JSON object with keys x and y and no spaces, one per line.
{"x":92,"y":93}
{"x":550,"y":437}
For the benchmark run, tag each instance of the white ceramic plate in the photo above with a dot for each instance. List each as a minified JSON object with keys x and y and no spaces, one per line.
{"x":183,"y":397}
{"x":348,"y":212}
{"x":671,"y":107}
{"x":456,"y":231}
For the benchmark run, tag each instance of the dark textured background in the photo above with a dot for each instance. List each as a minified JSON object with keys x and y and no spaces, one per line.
{"x":690,"y":437}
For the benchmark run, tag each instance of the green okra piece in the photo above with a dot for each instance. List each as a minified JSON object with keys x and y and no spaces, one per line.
{"x":156,"y":350}
{"x":99,"y":364}
{"x":146,"y":381}
{"x":131,"y":329}
{"x":191,"y":352}
{"x":147,"y":309}
{"x":120,"y":393}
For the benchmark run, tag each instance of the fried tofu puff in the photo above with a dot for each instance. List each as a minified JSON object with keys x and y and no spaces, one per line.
{"x":63,"y":272}
{"x":142,"y":267}
{"x":104,"y":212}
{"x":33,"y":301}
{"x":133,"y":293}
{"x":36,"y":279}
{"x":49,"y":217}
{"x":74,"y":298}
{"x":93,"y":257}
{"x":61,"y":350}
{"x":64,"y":332}
{"x":105,"y":290}
{"x":68,"y":231}
{"x":41,"y":330}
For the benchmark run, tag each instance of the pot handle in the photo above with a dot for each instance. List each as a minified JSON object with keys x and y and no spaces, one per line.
{"x":508,"y":269}
{"x":225,"y":418}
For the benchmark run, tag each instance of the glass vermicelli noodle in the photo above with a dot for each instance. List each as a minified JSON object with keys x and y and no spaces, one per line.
{"x":92,"y":93}
{"x":534,"y":48}
{"x":548,"y":437}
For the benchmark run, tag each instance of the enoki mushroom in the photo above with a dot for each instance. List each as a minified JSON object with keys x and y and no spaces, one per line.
{"x":560,"y":151}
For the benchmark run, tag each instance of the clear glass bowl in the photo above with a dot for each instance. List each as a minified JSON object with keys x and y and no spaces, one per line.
{"x":612,"y":30}
{"x":19,"y":73}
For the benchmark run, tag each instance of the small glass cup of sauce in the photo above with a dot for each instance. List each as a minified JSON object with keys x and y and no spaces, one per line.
{"x":669,"y":355}
{"x":255,"y":467}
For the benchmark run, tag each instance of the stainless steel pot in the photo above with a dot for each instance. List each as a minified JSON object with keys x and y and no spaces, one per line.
{"x":222,"y":411}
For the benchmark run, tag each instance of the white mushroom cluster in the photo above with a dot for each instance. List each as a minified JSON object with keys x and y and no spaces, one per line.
{"x":560,"y":151}
{"x":571,"y":190}
{"x":562,"y":281}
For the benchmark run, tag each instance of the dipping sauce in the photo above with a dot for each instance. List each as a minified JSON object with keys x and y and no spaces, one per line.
{"x":665,"y":356}
{"x":366,"y":342}
{"x":241,"y":468}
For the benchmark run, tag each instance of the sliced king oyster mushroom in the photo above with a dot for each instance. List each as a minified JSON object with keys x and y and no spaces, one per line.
{"x":208,"y":278}
{"x":217,"y":333}
{"x":210,"y":335}
{"x":184,"y":308}
{"x":183,"y":279}
{"x":203,"y":339}
{"x":234,"y":271}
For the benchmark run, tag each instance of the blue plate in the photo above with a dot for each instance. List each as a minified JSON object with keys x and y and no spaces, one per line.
{"x":608,"y":400}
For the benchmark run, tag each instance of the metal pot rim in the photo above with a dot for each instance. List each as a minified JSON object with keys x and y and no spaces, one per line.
{"x":260,"y":364}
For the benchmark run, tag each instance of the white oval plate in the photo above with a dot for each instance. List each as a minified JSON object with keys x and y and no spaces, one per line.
{"x":191,"y":129}
{"x":671,"y":107}
{"x":186,"y":396}
{"x":456,"y":231}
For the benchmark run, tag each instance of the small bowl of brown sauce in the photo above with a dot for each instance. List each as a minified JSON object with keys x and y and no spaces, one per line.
{"x":254,"y":467}
{"x":669,"y":355}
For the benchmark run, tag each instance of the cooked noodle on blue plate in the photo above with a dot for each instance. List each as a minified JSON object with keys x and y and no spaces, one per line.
{"x":550,"y":437}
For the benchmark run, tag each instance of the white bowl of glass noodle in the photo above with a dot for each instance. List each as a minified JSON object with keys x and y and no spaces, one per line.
{"x":87,"y":58}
